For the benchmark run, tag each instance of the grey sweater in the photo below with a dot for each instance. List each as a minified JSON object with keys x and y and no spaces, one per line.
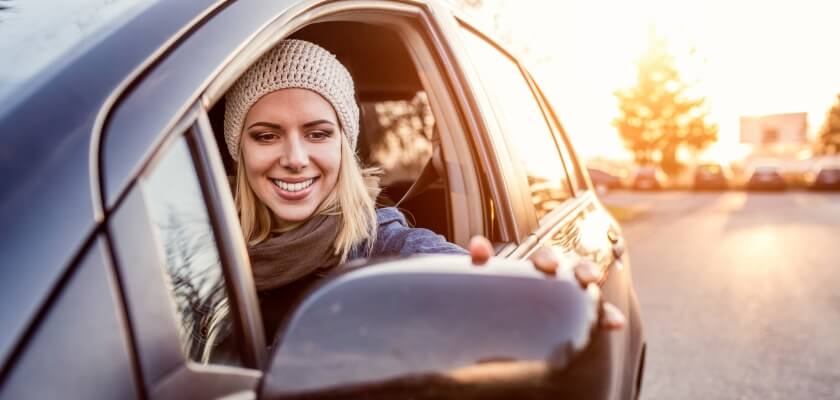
{"x":395,"y":238}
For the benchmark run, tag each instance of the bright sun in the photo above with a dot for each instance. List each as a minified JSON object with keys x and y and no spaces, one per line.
{"x":750,"y":57}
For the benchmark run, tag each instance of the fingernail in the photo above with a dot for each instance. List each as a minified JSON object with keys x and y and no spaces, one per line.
{"x":613,"y":318}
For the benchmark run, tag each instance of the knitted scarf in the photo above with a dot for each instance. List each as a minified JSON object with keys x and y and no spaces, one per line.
{"x":292,"y":255}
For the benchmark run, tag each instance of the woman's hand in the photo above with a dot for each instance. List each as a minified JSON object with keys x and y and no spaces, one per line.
{"x":481,"y":250}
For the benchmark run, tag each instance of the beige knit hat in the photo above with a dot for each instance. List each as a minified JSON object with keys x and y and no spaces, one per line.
{"x":292,"y":64}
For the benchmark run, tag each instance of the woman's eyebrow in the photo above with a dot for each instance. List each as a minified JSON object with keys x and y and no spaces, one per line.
{"x":266,"y":124}
{"x":317,"y":122}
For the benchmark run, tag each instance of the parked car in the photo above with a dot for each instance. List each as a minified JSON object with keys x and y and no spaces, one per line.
{"x":826,"y":178}
{"x":647,"y":178}
{"x":125,"y":271}
{"x":710,"y":177}
{"x":603,"y":181}
{"x":766,"y":178}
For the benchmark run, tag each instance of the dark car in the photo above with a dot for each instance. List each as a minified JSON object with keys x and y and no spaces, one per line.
{"x":125,"y":272}
{"x":766,"y":178}
{"x":603,"y":181}
{"x":647,"y":178}
{"x":710,"y":177}
{"x":827,"y":178}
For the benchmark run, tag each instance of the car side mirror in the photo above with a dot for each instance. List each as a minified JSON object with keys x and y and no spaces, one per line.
{"x":434,"y":327}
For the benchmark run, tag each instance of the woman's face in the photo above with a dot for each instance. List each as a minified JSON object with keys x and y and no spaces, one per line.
{"x":291,"y":147}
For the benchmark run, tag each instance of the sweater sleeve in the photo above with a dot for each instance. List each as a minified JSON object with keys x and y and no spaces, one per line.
{"x":396,"y":238}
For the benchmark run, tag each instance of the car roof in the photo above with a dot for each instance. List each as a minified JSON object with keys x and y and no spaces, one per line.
{"x":53,"y":32}
{"x":48,"y":121}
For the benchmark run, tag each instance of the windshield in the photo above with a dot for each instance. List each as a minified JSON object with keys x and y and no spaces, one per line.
{"x":37,"y":33}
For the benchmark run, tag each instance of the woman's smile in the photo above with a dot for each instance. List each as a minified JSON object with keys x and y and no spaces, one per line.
{"x":294,"y":189}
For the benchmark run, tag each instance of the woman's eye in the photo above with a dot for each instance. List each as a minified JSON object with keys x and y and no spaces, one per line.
{"x":265,"y":137}
{"x":319,"y":135}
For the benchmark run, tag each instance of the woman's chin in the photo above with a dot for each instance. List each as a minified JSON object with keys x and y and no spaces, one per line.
{"x":293,"y":213}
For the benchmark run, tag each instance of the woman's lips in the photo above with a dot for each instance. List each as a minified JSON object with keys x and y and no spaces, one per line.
{"x":294,"y":196}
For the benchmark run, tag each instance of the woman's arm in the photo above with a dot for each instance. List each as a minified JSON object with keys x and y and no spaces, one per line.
{"x":396,"y":238}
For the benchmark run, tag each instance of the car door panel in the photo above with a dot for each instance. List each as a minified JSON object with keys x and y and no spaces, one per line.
{"x":81,"y":348}
{"x":138,"y":261}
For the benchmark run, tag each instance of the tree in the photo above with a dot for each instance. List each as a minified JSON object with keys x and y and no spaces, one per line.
{"x":829,"y":137}
{"x":658,"y":117}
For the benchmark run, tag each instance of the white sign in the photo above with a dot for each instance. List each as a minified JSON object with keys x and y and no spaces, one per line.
{"x":775,"y":129}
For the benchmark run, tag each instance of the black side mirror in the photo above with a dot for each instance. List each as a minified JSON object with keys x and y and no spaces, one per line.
{"x":434,"y":327}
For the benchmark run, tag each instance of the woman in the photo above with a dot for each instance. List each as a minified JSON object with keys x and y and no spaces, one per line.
{"x":305,"y":203}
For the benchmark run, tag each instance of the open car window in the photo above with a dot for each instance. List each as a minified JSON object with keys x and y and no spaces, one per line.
{"x":398,"y":129}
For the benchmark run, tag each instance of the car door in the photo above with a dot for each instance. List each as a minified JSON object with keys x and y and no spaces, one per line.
{"x":79,"y":347}
{"x":561,"y":210}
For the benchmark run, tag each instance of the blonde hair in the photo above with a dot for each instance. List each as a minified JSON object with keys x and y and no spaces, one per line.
{"x":352,"y":199}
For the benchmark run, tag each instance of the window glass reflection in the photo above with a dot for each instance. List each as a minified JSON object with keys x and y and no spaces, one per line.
{"x":179,"y":215}
{"x":522,"y":120}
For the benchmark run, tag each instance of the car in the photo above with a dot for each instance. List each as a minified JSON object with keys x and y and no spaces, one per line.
{"x":766,"y":178}
{"x":126,"y":274}
{"x":710,"y":177}
{"x":826,"y":178}
{"x":603,"y":181}
{"x":647,"y":178}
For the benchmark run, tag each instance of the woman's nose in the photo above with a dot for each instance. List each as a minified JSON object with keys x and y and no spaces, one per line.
{"x":295,"y":157}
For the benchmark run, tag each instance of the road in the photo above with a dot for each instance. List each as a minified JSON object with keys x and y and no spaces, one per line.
{"x":740,"y":293}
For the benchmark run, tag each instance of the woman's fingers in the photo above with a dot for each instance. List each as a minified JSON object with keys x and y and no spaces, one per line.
{"x":587,"y":272}
{"x":545,"y":260}
{"x":480,"y":250}
{"x":613,"y":318}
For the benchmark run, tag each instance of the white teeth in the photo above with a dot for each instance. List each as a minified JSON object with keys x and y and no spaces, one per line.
{"x":293,"y":187}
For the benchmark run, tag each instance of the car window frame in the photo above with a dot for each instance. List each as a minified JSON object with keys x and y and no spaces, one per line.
{"x":421,"y":29}
{"x":570,"y":159}
{"x":508,"y":180}
{"x":466,"y":213}
{"x":528,"y":221}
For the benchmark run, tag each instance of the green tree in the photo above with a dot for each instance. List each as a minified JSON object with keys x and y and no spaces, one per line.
{"x":829,"y":137}
{"x":658,"y":117}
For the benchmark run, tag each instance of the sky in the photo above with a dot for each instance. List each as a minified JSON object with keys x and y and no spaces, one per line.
{"x":746,"y":57}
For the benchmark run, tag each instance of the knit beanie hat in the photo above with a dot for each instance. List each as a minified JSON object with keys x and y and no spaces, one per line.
{"x":292,"y":64}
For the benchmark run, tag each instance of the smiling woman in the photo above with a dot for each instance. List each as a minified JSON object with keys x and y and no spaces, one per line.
{"x":291,"y":152}
{"x":291,"y":122}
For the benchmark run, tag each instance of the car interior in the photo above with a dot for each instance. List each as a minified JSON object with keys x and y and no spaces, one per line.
{"x":397,"y":129}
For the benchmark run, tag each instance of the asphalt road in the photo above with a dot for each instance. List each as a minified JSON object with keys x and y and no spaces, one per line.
{"x":740,"y":293}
